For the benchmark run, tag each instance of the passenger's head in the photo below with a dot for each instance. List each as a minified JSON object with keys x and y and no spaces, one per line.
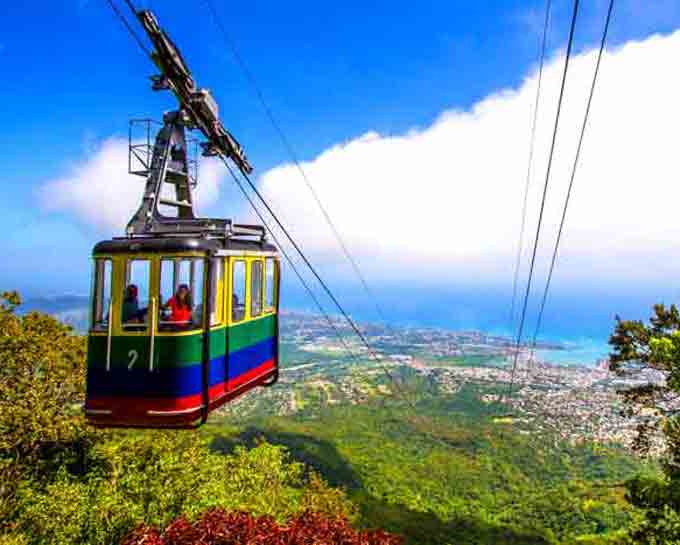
{"x":131,"y":292}
{"x":183,"y":295}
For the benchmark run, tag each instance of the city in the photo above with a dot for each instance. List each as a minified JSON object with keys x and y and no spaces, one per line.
{"x":577,"y":403}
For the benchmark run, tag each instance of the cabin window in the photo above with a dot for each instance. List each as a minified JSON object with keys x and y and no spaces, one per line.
{"x":238,"y":293}
{"x":101,"y":294}
{"x":270,"y":283}
{"x":217,"y":290}
{"x":135,"y":300}
{"x":256,"y":282}
{"x":197,"y":279}
{"x":181,"y":294}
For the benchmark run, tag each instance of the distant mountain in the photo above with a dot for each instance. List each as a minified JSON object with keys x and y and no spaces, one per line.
{"x":55,"y":304}
{"x":70,"y":309}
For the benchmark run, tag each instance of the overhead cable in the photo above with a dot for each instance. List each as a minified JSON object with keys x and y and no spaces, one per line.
{"x":573,"y":174}
{"x":532,"y":142}
{"x":129,"y":28}
{"x":543,"y":198}
{"x":293,"y":156}
{"x":299,"y":276}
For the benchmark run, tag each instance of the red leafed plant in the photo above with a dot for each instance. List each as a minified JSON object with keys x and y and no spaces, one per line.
{"x":217,"y":527}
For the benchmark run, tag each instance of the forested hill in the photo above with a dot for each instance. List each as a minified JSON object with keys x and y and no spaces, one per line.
{"x":70,"y":309}
{"x":452,"y":472}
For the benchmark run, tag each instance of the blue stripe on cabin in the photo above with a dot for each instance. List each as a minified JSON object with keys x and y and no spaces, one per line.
{"x":177,"y":381}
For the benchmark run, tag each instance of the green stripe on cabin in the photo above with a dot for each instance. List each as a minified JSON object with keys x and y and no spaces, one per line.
{"x":251,"y":332}
{"x":180,"y":350}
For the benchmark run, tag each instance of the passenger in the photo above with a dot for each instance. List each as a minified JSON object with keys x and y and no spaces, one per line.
{"x":180,"y":306}
{"x":131,"y":311}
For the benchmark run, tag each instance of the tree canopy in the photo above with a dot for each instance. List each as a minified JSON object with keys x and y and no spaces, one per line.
{"x":650,"y":353}
{"x":41,"y":390}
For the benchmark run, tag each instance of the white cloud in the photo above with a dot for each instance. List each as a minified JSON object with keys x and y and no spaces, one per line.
{"x":441,"y":204}
{"x":444,"y":201}
{"x":100,"y":193}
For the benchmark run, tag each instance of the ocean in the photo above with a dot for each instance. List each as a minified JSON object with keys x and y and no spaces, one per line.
{"x":586,"y":352}
{"x":580,"y":322}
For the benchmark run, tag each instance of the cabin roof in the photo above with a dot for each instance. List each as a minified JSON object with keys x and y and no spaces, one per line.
{"x":167,"y":244}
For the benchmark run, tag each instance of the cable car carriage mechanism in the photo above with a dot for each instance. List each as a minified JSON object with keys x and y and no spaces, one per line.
{"x":184,"y":309}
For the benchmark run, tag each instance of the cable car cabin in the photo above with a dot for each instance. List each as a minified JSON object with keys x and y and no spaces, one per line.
{"x":184,"y":308}
{"x":179,"y":327}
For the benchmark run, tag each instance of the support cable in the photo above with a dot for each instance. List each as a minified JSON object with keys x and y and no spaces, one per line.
{"x":573,"y":174}
{"x":324,"y":286}
{"x":305,"y":285}
{"x":309,"y":291}
{"x":346,"y":316}
{"x":293,"y":156}
{"x":400,"y":391}
{"x":532,"y":142}
{"x":129,"y":28}
{"x":543,"y":198}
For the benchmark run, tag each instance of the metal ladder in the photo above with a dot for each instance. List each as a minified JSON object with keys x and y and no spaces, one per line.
{"x":169,"y":169}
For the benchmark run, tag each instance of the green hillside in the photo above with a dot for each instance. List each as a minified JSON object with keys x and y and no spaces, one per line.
{"x":444,"y":471}
{"x":450,"y":474}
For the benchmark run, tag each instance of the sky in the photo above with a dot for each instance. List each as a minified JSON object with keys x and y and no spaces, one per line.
{"x":412,"y":123}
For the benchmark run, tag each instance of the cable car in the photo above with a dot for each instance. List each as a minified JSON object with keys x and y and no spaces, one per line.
{"x":184,"y":309}
{"x":148,"y":368}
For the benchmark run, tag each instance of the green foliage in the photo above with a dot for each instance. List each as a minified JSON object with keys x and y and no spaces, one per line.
{"x":659,"y":527}
{"x":152,"y":478}
{"x":452,"y":475}
{"x":654,"y":346}
{"x":62,"y":482}
{"x":41,"y":381}
{"x":319,"y":497}
{"x":41,"y":389}
{"x":13,"y":539}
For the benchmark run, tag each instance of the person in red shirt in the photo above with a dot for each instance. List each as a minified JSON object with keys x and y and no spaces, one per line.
{"x":180,"y":306}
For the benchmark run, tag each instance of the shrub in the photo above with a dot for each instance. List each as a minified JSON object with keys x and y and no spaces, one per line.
{"x":220,"y":527}
{"x":154,"y":477}
{"x":13,"y":539}
{"x":63,"y":482}
{"x":42,"y":365}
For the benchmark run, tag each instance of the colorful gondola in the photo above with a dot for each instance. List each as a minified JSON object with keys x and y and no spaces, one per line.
{"x":184,"y":309}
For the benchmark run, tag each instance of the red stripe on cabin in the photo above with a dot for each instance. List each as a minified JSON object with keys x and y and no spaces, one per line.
{"x":135,"y":406}
{"x":250,"y":375}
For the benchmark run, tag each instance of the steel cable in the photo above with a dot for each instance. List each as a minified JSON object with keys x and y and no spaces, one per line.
{"x":293,"y":156}
{"x":543,"y":198}
{"x":532,"y":141}
{"x":573,"y":174}
{"x":129,"y":28}
{"x":299,"y":276}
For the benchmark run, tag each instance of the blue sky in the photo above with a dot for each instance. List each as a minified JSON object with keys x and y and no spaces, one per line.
{"x":331,"y":72}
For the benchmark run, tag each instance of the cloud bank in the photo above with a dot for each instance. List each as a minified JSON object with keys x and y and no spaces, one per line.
{"x":443,"y":202}
{"x":100,"y":193}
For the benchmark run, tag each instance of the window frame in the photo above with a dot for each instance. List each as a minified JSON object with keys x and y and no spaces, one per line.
{"x":97,"y":295}
{"x":197,"y":322}
{"x":215,"y":306}
{"x":132,"y":327}
{"x":232,"y":267}
{"x":252,"y":284}
{"x":275,"y":273}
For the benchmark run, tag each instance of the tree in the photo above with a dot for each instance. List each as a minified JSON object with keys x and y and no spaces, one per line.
{"x":64,"y":482}
{"x":651,"y":352}
{"x":42,"y":366}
